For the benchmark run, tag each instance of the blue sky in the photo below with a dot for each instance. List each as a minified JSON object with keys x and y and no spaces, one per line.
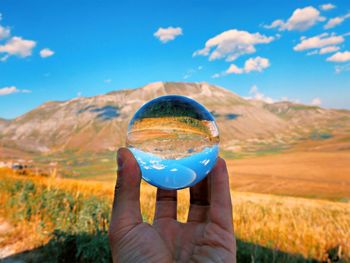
{"x":58,"y":50}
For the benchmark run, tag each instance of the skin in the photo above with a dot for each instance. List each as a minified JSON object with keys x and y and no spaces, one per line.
{"x":206,"y":237}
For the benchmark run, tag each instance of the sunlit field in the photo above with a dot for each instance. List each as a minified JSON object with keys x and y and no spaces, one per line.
{"x":69,"y":218}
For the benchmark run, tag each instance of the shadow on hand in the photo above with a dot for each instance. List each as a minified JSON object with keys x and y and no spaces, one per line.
{"x":84,"y":247}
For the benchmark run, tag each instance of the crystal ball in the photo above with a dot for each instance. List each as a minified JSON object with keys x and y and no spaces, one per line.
{"x":174,"y":140}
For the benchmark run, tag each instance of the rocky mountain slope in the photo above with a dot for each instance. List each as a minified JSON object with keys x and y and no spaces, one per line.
{"x":99,"y":123}
{"x":3,"y":123}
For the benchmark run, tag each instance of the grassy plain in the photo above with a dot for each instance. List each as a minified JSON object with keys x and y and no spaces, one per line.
{"x":68,"y":218}
{"x":312,"y":174}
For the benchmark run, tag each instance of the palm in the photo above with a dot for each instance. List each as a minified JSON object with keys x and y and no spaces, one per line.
{"x":206,"y":237}
{"x":196,"y":241}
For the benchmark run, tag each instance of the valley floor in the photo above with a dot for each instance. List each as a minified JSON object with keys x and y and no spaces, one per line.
{"x":324,"y":175}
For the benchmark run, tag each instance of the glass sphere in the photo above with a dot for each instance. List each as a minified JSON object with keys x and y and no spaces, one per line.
{"x":174,"y":140}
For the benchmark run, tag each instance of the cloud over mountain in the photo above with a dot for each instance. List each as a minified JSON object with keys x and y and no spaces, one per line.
{"x":232,"y":44}
{"x":255,"y":94}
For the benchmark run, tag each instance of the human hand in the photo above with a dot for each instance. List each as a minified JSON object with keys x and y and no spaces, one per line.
{"x":206,"y":237}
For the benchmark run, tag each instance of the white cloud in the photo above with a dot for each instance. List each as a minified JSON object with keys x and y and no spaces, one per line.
{"x":252,"y":64}
{"x":256,"y":64}
{"x":301,"y":19}
{"x":342,"y":68}
{"x":12,"y":89}
{"x":46,"y":52}
{"x":327,"y":7}
{"x":340,"y":57}
{"x":319,"y":41}
{"x":336,"y":21}
{"x":168,"y":34}
{"x":329,"y":49}
{"x":17,"y":46}
{"x":4,"y":32}
{"x":324,"y":50}
{"x":277,"y":23}
{"x":107,"y":81}
{"x":233,"y":69}
{"x":257,"y":95}
{"x":232,"y":44}
{"x":316,"y":101}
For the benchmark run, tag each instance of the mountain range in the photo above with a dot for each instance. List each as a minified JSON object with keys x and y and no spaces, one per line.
{"x":99,"y":123}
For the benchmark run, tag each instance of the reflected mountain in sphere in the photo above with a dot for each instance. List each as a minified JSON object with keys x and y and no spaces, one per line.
{"x":174,"y":140}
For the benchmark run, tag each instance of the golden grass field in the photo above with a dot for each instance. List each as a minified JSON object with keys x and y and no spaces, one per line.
{"x":310,"y":227}
{"x":313,"y":174}
{"x":184,"y":124}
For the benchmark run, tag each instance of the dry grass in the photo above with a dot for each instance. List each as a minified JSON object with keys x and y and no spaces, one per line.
{"x":294,"y":225}
{"x":309,"y":174}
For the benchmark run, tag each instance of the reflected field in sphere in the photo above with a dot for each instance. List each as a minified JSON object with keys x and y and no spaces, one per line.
{"x":174,"y":140}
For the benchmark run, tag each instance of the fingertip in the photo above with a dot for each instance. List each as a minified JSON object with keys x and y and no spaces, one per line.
{"x":123,"y":154}
{"x":221,"y":163}
{"x":128,"y":167}
{"x":219,"y":166}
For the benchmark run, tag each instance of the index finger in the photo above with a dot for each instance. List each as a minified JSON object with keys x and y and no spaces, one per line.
{"x":220,"y":203}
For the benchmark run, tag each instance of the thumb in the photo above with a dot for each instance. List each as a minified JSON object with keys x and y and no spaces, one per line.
{"x":126,"y":206}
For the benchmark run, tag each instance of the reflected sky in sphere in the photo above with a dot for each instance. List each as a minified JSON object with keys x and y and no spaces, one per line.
{"x":174,"y":140}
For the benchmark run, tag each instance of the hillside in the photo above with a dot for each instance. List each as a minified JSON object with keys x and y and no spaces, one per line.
{"x":3,"y":123}
{"x":98,"y":124}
